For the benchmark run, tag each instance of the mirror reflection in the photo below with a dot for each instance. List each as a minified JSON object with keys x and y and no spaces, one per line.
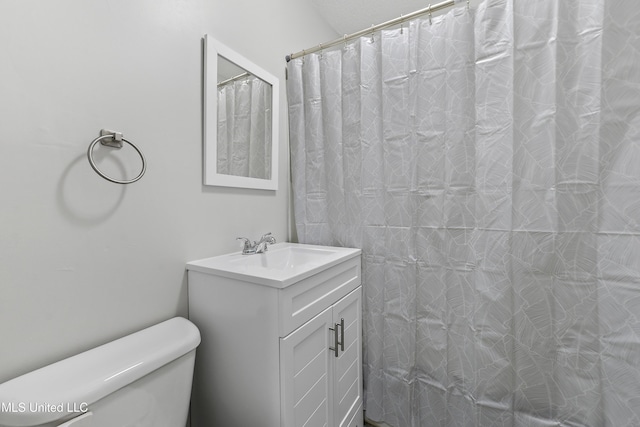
{"x":244,"y":122}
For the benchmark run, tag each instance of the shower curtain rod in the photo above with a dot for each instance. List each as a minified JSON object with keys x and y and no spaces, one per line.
{"x":374,"y":28}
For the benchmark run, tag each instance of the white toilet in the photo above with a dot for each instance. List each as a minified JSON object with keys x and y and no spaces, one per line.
{"x":141,"y":380}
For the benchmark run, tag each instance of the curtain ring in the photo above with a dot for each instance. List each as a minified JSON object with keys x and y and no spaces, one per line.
{"x":468,"y":6}
{"x":401,"y":24}
{"x":321,"y":51}
{"x":430,"y":22}
{"x":372,"y":31}
{"x":344,"y":39}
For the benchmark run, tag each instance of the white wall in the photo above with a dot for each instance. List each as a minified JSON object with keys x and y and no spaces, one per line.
{"x":82,"y":260}
{"x":350,"y":16}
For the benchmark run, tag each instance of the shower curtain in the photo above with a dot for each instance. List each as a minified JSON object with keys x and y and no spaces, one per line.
{"x":244,"y":128}
{"x":488,"y":164}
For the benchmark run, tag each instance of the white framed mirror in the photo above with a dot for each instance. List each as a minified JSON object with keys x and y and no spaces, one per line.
{"x":240,"y":120}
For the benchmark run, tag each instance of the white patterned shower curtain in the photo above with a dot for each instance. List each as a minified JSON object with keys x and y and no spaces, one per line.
{"x":244,"y":128}
{"x":488,"y":164}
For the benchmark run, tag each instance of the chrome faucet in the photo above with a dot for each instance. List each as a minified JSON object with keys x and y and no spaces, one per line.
{"x":250,"y":248}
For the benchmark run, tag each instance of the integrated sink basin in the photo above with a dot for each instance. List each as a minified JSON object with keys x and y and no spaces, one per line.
{"x":281,"y":265}
{"x":285,"y":257}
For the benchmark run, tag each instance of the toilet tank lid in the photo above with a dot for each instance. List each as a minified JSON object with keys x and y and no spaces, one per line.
{"x":34,"y":398}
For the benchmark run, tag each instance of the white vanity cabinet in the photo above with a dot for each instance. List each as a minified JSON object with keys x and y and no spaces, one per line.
{"x":281,"y":340}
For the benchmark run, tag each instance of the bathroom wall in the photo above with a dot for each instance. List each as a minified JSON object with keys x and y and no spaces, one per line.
{"x":82,"y":260}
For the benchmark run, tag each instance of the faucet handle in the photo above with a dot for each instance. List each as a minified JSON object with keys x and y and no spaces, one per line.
{"x":265,"y":241}
{"x":268,"y":238}
{"x":247,"y":242}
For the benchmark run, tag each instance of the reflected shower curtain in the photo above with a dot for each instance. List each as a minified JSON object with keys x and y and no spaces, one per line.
{"x":488,"y":164}
{"x":244,"y":128}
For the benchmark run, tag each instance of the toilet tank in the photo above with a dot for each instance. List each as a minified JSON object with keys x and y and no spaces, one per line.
{"x":142,"y":380}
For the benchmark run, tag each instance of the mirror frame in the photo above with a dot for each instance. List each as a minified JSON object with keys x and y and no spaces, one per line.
{"x":213,"y":48}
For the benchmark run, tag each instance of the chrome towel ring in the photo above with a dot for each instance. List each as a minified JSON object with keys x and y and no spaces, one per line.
{"x":113,"y":139}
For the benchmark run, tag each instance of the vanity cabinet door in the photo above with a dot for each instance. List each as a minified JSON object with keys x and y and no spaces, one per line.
{"x":348,"y":365}
{"x":322,"y":386}
{"x":305,"y":367}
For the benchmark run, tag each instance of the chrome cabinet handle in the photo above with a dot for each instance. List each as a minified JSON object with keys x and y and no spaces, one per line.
{"x":336,"y":339}
{"x":336,"y":342}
